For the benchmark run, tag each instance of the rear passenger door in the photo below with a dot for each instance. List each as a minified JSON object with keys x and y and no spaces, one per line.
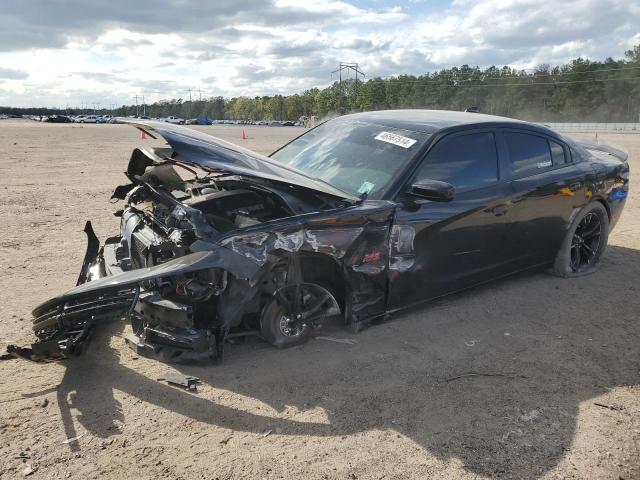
{"x":546,"y":187}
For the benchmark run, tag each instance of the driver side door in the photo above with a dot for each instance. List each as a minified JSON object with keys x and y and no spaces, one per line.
{"x":440,"y":247}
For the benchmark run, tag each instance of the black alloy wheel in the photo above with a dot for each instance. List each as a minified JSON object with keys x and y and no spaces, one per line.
{"x":586,"y":242}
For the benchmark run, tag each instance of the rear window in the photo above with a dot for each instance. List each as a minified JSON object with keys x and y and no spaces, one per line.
{"x":557,"y":153}
{"x":529,"y":154}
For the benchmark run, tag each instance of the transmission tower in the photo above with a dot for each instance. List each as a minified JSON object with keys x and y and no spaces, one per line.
{"x":344,"y":88}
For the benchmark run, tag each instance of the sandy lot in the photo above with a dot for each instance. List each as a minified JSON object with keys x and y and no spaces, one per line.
{"x":381,"y":408}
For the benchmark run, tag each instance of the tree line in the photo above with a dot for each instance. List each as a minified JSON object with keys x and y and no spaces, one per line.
{"x":581,"y":90}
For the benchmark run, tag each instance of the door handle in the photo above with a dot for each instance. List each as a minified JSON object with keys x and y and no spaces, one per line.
{"x":499,"y":210}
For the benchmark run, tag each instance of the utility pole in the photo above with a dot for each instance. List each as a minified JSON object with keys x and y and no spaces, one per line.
{"x":144,"y":107}
{"x":348,"y":67}
{"x":190,"y":90}
{"x":200,"y":92}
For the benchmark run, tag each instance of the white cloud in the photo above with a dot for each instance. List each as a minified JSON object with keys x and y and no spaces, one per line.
{"x":88,"y":51}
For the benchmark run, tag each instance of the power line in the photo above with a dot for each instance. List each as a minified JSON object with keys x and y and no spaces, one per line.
{"x":523,"y":84}
{"x":434,"y":75}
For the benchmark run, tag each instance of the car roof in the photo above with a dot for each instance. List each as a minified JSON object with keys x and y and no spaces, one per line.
{"x":432,"y":121}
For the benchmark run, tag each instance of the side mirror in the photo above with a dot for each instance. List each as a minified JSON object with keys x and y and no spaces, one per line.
{"x":433,"y":190}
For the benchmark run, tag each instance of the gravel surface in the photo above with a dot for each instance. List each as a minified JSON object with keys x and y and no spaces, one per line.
{"x":560,"y":398}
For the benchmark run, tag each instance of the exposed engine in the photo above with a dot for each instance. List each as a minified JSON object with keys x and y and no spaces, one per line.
{"x":164,"y":216}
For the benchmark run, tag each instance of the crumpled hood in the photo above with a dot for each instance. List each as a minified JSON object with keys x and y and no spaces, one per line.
{"x":216,"y":155}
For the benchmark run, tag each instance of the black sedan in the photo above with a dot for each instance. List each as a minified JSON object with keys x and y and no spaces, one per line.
{"x":360,"y":217}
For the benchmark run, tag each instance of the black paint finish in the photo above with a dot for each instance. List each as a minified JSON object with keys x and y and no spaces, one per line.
{"x":373,"y":256}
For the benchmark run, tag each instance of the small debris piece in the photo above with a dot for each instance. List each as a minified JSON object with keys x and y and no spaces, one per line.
{"x":267,"y":433}
{"x":610,"y":407}
{"x":28,"y":470}
{"x":44,"y":403}
{"x":470,"y":343}
{"x":532,"y":415}
{"x":225,"y":440}
{"x":516,"y":432}
{"x":347,"y":341}
{"x":74,"y":439}
{"x":185,"y":381}
{"x":465,"y":375}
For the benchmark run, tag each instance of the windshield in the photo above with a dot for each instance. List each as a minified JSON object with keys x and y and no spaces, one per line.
{"x":357,"y":157}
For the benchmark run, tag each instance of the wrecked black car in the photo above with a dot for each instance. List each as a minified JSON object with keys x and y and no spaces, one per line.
{"x":360,"y":217}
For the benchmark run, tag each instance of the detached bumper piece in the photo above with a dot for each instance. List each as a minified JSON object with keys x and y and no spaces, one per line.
{"x":166,"y":330}
{"x":63,"y":328}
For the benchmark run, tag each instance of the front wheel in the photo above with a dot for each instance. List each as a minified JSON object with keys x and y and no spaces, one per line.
{"x":287,"y":322}
{"x":584,"y":244}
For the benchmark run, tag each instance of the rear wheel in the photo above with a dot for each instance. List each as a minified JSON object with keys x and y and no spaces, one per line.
{"x":286,"y":322}
{"x":584,"y":244}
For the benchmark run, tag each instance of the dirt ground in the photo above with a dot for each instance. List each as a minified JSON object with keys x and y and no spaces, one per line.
{"x":564,"y":401}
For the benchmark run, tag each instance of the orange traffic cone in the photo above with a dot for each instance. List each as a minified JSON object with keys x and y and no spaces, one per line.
{"x":142,"y":135}
{"x":244,"y":135}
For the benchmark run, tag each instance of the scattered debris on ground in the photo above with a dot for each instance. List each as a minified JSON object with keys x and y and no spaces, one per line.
{"x":347,"y":341}
{"x":179,"y":380}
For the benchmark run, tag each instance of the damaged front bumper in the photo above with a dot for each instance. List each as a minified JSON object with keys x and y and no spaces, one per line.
{"x":161,"y":327}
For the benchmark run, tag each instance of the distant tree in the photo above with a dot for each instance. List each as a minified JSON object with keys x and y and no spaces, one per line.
{"x":581,"y":90}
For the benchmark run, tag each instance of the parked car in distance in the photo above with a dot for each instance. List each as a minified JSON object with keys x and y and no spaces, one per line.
{"x":58,"y":119}
{"x":199,"y":121}
{"x":86,"y":119}
{"x":174,"y":120}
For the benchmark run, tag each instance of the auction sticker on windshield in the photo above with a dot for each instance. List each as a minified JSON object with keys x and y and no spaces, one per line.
{"x":395,"y":139}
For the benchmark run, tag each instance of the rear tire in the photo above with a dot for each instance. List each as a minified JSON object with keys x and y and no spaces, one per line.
{"x":584,"y":244}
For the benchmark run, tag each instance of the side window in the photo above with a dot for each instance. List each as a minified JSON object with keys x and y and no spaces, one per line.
{"x":529,"y":154}
{"x":465,"y":161}
{"x":557,"y":153}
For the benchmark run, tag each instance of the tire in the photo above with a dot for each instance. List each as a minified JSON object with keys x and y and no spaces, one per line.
{"x":580,"y":256}
{"x":317,"y":304}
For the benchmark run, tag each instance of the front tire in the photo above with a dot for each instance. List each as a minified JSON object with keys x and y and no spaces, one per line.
{"x":584,"y":244}
{"x":283,"y":328}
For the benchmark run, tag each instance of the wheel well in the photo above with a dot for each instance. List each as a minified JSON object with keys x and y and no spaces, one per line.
{"x":606,"y":207}
{"x":323,"y":270}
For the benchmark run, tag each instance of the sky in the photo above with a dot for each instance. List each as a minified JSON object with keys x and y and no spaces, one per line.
{"x":74,"y":53}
